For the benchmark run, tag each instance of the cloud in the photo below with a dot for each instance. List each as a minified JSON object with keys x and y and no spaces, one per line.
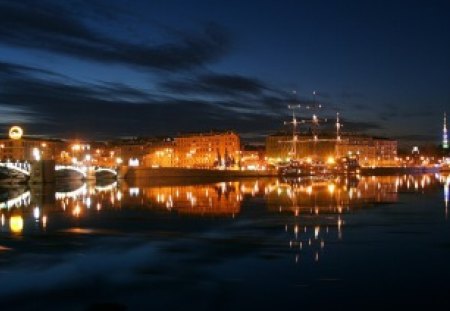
{"x":68,"y":108}
{"x":55,"y":28}
{"x":216,"y":84}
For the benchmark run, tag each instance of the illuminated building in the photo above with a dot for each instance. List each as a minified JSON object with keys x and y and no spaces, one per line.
{"x":253,"y":158}
{"x":138,"y":151}
{"x":207,"y":150}
{"x":279,"y":147}
{"x":17,"y":147}
{"x":444,"y":134}
{"x":160,"y":154}
{"x":371,"y":151}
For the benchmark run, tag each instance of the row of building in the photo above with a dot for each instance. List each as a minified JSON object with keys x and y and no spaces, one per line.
{"x":371,"y":151}
{"x":200,"y":150}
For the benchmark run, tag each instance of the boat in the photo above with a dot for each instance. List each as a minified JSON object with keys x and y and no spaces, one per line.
{"x":312,"y":166}
{"x":347,"y":165}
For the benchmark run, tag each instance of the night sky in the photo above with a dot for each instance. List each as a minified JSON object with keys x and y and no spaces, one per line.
{"x":99,"y":69}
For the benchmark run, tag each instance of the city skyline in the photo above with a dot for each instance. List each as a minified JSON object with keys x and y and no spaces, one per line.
{"x":89,"y":70}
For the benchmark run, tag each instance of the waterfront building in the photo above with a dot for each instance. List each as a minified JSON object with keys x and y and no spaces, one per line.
{"x":371,"y":151}
{"x":253,"y":158}
{"x":160,"y":153}
{"x":207,"y":150}
{"x":134,"y":151}
{"x":17,"y":147}
{"x":279,"y":147}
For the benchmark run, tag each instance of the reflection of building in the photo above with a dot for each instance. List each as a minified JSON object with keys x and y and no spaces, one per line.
{"x":207,"y":149}
{"x":217,"y":199}
{"x":332,"y":195}
{"x":332,"y":198}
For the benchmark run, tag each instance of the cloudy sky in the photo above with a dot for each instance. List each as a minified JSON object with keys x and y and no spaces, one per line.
{"x":98,"y":69}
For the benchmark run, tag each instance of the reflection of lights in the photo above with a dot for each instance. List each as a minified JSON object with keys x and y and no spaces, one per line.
{"x":331,"y":188}
{"x":316,"y":232}
{"x":76,"y":211}
{"x":36,"y":213}
{"x":88,"y":202}
{"x":16,"y":224}
{"x":106,"y":188}
{"x":3,"y":220}
{"x":133,"y":162}
{"x":330,"y":160}
{"x":339,"y":225}
{"x":44,"y":222}
{"x":134,"y":192}
{"x":446,"y":194}
{"x":71,"y":194}
{"x":23,"y":199}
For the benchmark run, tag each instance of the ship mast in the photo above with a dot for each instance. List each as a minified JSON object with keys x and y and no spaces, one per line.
{"x":295,"y":124}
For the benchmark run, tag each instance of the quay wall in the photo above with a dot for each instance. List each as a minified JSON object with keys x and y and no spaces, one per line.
{"x":133,"y":173}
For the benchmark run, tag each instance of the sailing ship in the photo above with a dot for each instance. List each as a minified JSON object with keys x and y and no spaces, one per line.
{"x":312,"y":166}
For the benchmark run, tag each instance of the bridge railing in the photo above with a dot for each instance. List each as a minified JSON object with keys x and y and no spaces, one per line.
{"x":22,"y":167}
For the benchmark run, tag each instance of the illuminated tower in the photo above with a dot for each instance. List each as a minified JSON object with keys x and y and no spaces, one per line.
{"x":444,"y":134}
{"x":338,"y":128}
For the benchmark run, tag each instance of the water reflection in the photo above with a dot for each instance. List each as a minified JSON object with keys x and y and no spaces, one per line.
{"x":304,"y":199}
{"x":245,"y":237}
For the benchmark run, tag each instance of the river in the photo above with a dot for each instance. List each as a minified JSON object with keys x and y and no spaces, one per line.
{"x":366,"y":242}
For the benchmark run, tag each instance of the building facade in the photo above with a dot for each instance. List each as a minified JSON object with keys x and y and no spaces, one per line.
{"x":207,"y":150}
{"x":371,"y":151}
{"x":279,"y":147}
{"x":28,"y":149}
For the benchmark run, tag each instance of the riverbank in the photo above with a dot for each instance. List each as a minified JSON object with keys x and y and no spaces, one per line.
{"x":149,"y":173}
{"x":134,"y":173}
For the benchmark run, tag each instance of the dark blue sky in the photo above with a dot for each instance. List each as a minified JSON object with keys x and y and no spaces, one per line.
{"x":96,"y":69}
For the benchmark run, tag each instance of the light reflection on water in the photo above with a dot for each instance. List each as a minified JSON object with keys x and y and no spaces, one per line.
{"x":293,"y":219}
{"x":298,"y":197}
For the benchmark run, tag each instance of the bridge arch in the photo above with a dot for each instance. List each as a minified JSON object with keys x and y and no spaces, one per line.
{"x":80,"y":169}
{"x":105,"y":169}
{"x":23,"y":168}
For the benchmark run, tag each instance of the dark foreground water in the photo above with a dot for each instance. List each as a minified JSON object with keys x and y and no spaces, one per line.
{"x":367,"y":243}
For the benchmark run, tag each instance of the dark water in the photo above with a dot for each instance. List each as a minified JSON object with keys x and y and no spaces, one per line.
{"x":368,"y":243}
